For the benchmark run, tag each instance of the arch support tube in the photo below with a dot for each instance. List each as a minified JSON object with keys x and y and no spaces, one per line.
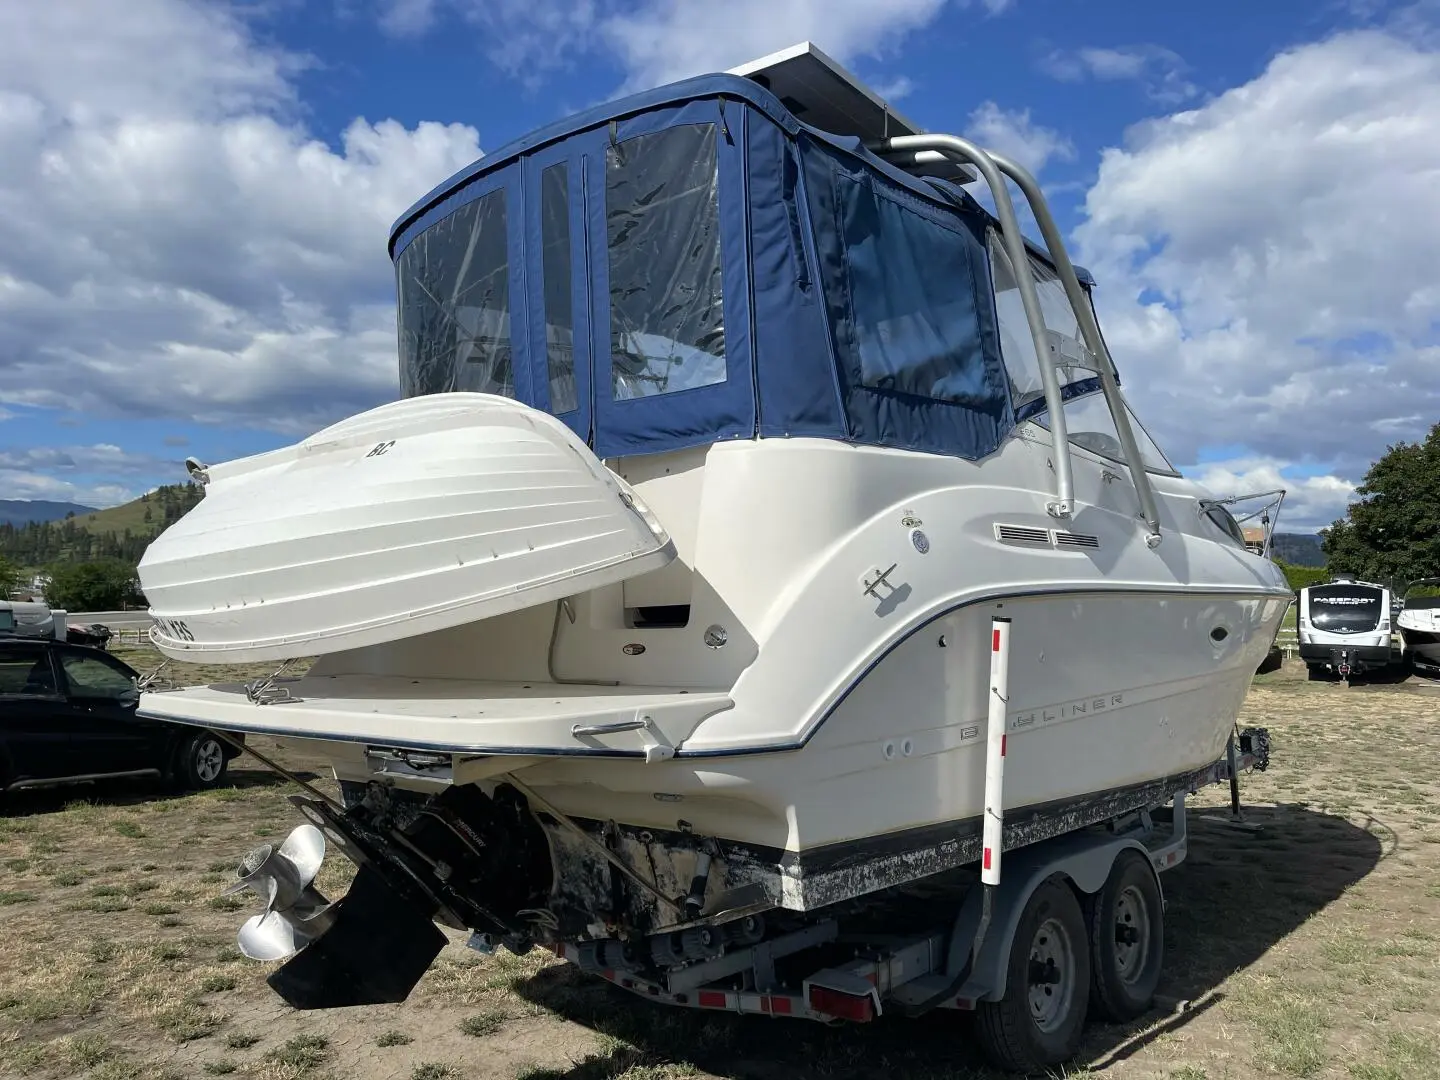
{"x":920,"y":148}
{"x":1090,"y":330}
{"x":1010,"y":235}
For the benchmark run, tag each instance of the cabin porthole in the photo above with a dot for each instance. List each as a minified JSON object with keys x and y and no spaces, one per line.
{"x":1219,"y":634}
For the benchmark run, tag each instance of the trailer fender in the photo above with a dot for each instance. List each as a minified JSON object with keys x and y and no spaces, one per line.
{"x":1082,"y":861}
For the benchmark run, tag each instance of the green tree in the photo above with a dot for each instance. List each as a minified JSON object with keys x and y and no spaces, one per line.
{"x":9,"y":577}
{"x":1392,"y":532}
{"x":1301,"y":576}
{"x":101,"y":585}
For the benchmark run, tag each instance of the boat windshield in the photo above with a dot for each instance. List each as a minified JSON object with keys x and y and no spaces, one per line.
{"x":1027,"y":391}
{"x":1423,"y":595}
{"x":1345,"y":609}
{"x":1087,"y":413}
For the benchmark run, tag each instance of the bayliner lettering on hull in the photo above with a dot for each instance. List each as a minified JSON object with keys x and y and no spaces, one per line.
{"x":1070,"y":710}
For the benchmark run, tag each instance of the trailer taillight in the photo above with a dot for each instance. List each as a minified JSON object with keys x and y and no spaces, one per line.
{"x":845,"y":1006}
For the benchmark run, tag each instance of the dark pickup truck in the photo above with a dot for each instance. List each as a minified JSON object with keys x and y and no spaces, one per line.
{"x":67,"y":714}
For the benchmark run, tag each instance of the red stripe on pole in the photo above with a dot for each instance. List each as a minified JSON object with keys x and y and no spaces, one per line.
{"x":987,"y":859}
{"x":1002,"y":744}
{"x":995,"y":641}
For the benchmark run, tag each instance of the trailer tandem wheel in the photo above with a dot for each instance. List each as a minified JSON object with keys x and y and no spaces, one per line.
{"x":1039,"y":1021}
{"x":1127,"y":940}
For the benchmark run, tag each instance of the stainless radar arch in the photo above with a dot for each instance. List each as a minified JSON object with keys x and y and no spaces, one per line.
{"x":994,"y":168}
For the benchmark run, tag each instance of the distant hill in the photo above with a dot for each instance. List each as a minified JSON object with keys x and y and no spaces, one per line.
{"x":146,"y":515}
{"x":24,"y":511}
{"x":1298,"y":549}
{"x":121,"y":532}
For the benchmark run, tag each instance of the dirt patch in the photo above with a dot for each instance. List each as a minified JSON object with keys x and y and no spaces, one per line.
{"x":1309,"y":949}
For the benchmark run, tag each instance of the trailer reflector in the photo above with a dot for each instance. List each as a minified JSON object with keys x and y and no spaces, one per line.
{"x":845,"y":1006}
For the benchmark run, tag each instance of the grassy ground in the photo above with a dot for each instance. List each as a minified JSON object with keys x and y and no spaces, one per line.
{"x":1311,"y":949}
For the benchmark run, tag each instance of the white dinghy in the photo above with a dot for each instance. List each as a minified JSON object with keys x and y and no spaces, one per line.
{"x":416,"y":516}
{"x":658,"y":623}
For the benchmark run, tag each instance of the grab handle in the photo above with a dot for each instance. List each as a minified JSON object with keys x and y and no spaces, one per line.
{"x":657,"y":747}
{"x":610,"y":729}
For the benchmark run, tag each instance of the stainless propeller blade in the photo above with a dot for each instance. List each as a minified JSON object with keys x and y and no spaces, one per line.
{"x":295,"y":912}
{"x":278,"y":877}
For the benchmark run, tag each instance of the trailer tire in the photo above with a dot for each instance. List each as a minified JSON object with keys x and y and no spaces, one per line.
{"x":1127,"y":940}
{"x":1039,"y":1021}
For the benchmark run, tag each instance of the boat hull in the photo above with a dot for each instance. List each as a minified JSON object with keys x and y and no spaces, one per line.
{"x":1420,"y":630}
{"x":890,"y":779}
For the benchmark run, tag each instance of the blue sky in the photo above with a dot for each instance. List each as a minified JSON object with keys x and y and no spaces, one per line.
{"x":193,"y":221}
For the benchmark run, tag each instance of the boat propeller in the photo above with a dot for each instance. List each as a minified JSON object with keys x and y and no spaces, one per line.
{"x":296,"y":913}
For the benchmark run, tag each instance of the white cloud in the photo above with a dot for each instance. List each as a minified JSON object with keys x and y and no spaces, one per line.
{"x":28,"y":484}
{"x":173,"y":242}
{"x":894,"y":89}
{"x":1159,"y":70}
{"x":1311,"y":502}
{"x":407,"y":18}
{"x":1013,"y":134}
{"x":88,"y":60}
{"x":1266,"y":260}
{"x":661,"y":41}
{"x":105,"y":458}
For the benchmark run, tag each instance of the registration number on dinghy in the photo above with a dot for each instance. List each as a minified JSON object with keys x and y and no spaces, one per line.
{"x":174,"y":629}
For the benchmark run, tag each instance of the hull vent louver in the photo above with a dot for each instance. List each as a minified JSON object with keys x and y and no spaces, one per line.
{"x":1076,"y":540}
{"x":1022,"y":534}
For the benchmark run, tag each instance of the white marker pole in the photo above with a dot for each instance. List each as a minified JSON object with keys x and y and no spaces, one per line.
{"x":995,"y":750}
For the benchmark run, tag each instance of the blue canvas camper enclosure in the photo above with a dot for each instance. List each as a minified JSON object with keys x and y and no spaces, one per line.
{"x":694,"y":264}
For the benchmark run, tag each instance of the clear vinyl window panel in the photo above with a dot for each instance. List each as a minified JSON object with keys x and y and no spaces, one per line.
{"x":558,"y":287}
{"x":911,"y":288}
{"x":662,"y":219}
{"x":453,"y":283}
{"x":1089,"y":425}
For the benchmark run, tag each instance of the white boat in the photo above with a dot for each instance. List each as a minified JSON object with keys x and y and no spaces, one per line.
{"x":1419,"y":623}
{"x":612,"y":639}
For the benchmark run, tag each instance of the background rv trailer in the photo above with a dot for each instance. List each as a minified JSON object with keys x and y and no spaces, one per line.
{"x":1344,"y":628}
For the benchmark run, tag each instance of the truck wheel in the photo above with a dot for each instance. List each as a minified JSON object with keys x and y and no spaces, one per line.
{"x":1127,"y":940}
{"x":203,"y":763}
{"x":1039,"y":1021}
